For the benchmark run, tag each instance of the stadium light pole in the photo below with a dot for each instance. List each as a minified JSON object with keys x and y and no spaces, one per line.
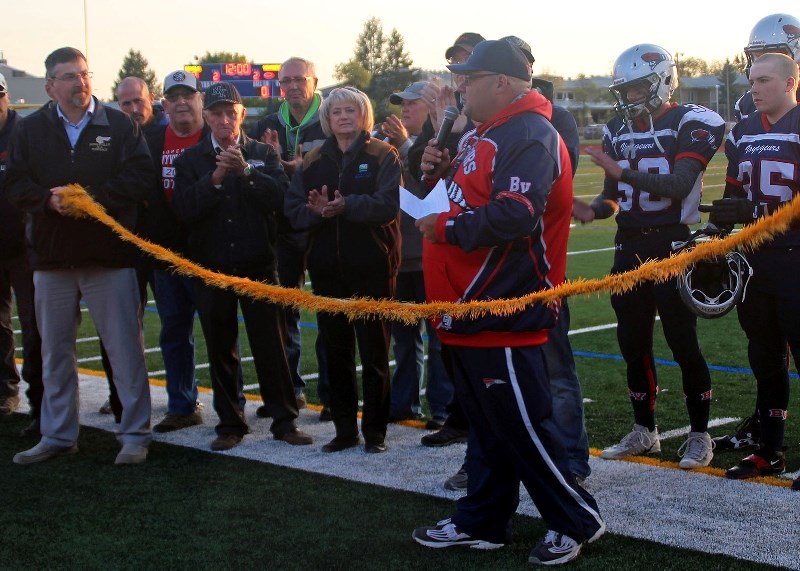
{"x":678,"y":69}
{"x":85,"y":31}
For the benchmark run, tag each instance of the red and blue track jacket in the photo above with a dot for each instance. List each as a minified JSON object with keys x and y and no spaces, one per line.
{"x":506,"y":233}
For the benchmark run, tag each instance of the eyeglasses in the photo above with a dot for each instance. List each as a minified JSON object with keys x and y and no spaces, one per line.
{"x":71,"y":77}
{"x":466,"y":79}
{"x":284,"y":81}
{"x":175,"y":95}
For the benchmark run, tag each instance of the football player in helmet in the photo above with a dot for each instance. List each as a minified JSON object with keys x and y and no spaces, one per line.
{"x":776,"y":33}
{"x":654,"y":155}
{"x":763,"y":154}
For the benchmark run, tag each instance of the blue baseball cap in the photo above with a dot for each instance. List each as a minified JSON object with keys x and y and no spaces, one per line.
{"x":498,"y":56}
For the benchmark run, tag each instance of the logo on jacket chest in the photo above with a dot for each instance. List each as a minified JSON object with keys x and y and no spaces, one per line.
{"x":362,"y":171}
{"x":100,"y":144}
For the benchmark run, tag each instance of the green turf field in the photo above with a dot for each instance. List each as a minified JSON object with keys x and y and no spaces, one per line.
{"x":206,"y":511}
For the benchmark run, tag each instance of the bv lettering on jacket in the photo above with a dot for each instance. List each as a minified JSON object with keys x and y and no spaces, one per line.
{"x":100,"y":144}
{"x":516,"y":185}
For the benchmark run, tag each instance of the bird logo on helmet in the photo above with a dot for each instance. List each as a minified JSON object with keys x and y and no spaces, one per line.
{"x":774,"y":33}
{"x":653,"y":59}
{"x":643,"y":63}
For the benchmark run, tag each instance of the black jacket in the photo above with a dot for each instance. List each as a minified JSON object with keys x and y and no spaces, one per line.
{"x":310,"y":136}
{"x":12,"y":227}
{"x":364,"y":242}
{"x":231,"y":229}
{"x":110,"y":160}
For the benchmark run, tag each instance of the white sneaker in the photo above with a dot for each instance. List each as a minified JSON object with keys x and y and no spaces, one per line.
{"x":131,"y":454}
{"x":697,"y":451}
{"x":42,"y":452}
{"x":639,"y":441}
{"x":445,"y":534}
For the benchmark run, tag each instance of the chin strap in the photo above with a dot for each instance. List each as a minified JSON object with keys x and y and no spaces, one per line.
{"x":653,"y":132}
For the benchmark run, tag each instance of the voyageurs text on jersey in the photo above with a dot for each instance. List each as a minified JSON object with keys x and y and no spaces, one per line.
{"x":764,"y":160}
{"x":687,"y":130}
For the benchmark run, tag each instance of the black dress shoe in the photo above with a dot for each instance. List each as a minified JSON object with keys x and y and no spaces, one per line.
{"x":263,"y":412}
{"x":446,"y":436}
{"x":325,"y":414}
{"x":375,"y":447}
{"x":338,"y":444}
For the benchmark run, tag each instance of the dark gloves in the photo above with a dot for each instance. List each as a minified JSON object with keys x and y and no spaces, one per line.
{"x":729,"y":211}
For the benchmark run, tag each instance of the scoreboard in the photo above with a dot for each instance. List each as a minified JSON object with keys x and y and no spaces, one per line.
{"x":251,"y":79}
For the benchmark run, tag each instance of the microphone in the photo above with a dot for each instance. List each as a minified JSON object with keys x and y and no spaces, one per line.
{"x":451,"y":113}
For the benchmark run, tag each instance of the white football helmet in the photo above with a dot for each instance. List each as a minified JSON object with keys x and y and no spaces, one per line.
{"x":774,"y":33}
{"x":711,"y":288}
{"x":644,"y":65}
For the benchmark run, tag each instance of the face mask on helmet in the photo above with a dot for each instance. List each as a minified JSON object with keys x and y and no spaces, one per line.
{"x":644,"y":78}
{"x":777,"y":33}
{"x":712,"y":288}
{"x":637,"y":97}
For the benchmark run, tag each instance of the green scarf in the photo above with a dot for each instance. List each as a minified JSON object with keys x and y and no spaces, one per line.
{"x":292,"y":133}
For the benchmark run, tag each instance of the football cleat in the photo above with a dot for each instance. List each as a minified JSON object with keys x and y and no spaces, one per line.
{"x":639,"y":441}
{"x":697,"y":451}
{"x":747,"y":433}
{"x":759,"y":463}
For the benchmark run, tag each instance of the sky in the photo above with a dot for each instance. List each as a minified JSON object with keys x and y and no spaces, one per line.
{"x":567,"y":38}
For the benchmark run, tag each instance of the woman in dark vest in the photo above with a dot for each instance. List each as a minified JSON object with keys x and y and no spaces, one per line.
{"x":346,"y":195}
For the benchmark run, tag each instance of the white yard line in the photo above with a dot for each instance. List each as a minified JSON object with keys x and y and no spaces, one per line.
{"x":680,"y":508}
{"x":590,"y":251}
{"x":100,"y":358}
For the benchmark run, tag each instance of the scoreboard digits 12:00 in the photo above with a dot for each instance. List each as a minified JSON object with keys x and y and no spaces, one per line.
{"x":251,"y":79}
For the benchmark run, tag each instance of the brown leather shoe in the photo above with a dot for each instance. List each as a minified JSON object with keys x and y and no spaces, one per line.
{"x":173,"y":421}
{"x":225,"y":441}
{"x":295,"y":437}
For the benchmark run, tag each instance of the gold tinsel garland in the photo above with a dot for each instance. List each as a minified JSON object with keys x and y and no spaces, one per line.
{"x":80,"y":204}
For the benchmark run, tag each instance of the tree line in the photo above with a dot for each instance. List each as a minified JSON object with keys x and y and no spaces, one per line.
{"x":380,"y":66}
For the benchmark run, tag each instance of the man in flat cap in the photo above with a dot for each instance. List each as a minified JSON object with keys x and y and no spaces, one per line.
{"x":228,"y":188}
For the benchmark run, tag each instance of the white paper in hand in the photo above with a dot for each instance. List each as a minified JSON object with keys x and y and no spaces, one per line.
{"x":434,"y":203}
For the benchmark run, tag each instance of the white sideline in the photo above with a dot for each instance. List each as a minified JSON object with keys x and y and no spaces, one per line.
{"x":682,"y":509}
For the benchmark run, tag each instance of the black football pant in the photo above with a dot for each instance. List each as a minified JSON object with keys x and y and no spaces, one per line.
{"x":770,"y":317}
{"x":636,"y":313}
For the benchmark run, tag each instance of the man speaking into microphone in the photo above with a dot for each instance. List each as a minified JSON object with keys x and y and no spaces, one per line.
{"x":505,"y":236}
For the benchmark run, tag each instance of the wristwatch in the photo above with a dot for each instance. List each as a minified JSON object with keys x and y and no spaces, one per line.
{"x":248,"y":170}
